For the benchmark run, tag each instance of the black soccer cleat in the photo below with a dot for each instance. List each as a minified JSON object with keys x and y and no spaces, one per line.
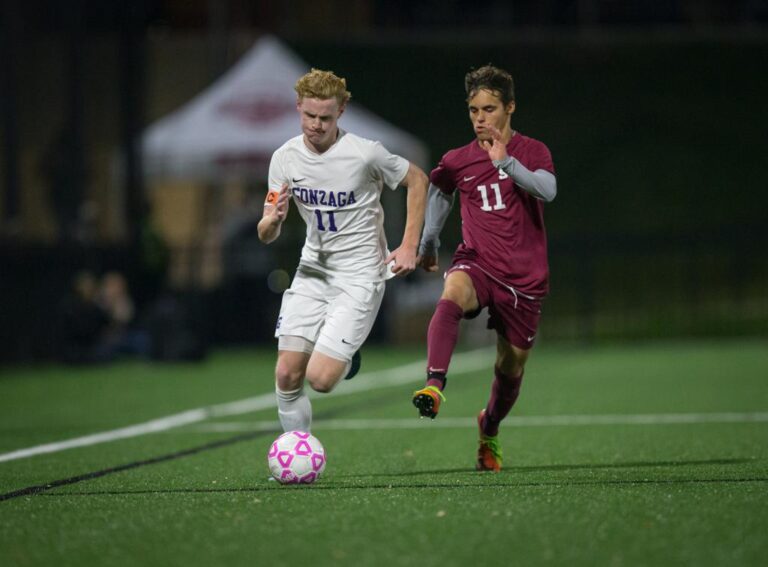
{"x":354,"y":367}
{"x":427,"y":401}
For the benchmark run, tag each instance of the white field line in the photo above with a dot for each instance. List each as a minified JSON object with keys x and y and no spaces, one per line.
{"x":413,"y":372}
{"x":513,"y":421}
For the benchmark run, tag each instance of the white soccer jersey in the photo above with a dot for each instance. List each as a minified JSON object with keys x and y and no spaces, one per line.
{"x":338,"y":195}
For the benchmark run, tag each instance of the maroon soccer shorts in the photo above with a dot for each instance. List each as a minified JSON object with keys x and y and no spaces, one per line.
{"x":510,"y":314}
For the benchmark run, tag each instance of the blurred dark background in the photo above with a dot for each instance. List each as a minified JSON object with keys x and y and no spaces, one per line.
{"x":653,"y":110}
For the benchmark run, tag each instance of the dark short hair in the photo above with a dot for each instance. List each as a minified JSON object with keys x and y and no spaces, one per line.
{"x":492,"y":79}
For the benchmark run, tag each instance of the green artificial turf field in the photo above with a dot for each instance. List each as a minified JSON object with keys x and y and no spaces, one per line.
{"x":635,"y":454}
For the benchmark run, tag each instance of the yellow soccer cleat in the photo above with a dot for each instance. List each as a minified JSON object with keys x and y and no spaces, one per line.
{"x":427,"y":401}
{"x":489,"y":450}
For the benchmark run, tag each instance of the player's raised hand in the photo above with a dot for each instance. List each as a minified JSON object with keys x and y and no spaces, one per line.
{"x":496,"y":149}
{"x":404,"y":258}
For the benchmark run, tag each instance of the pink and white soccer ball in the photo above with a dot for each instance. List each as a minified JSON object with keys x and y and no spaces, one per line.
{"x":296,"y":457}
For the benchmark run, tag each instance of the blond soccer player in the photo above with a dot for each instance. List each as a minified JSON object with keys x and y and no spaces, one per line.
{"x":335,"y":180}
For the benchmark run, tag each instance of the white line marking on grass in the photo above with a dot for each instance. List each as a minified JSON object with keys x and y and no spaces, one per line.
{"x":514,"y":421}
{"x":462,"y":363}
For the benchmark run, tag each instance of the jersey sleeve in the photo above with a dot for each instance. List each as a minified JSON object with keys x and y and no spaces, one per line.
{"x":276,"y":172}
{"x":541,"y":158}
{"x":275,"y":179}
{"x":442,"y":178}
{"x":390,"y":168}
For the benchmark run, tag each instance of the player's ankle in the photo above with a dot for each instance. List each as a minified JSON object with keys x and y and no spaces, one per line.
{"x":437,"y":379}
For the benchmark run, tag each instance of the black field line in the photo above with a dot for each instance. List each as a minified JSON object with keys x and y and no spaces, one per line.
{"x":388,"y":486}
{"x":42,"y":488}
{"x":37,"y":489}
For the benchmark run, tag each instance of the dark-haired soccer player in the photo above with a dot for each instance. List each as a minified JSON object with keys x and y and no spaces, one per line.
{"x":503,"y":178}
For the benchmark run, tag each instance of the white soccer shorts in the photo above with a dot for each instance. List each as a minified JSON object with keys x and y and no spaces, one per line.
{"x":335,"y":315}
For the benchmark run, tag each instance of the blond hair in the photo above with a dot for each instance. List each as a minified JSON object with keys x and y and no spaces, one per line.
{"x":322,"y":85}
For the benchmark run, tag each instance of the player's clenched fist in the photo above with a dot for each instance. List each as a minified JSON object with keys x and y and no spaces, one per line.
{"x":404,"y":259}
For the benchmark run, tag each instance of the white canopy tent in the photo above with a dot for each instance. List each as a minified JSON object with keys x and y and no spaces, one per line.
{"x":233,"y":127}
{"x":199,"y":159}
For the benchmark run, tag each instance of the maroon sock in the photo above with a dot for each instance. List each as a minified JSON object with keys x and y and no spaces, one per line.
{"x":441,"y":340}
{"x":503,"y":396}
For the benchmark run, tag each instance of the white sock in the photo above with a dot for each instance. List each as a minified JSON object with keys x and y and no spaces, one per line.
{"x":294,"y":409}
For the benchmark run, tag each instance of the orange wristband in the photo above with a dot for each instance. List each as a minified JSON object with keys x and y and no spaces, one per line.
{"x":272,"y":197}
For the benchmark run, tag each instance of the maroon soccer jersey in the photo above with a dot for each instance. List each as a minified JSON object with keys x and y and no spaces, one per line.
{"x":502,"y":225}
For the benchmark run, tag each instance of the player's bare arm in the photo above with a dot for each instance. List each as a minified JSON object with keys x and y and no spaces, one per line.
{"x":404,"y":256}
{"x":275,"y":211}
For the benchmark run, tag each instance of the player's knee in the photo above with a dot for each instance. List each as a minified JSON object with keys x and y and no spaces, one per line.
{"x":322,"y":384}
{"x":324,"y":372}
{"x":510,"y":365}
{"x":460,"y":290}
{"x":510,"y":360}
{"x":460,"y":297}
{"x":287,"y":377}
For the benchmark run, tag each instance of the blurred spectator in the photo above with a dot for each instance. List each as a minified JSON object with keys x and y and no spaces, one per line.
{"x":96,"y":321}
{"x":82,"y":323}
{"x":123,"y":335}
{"x":115,"y":300}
